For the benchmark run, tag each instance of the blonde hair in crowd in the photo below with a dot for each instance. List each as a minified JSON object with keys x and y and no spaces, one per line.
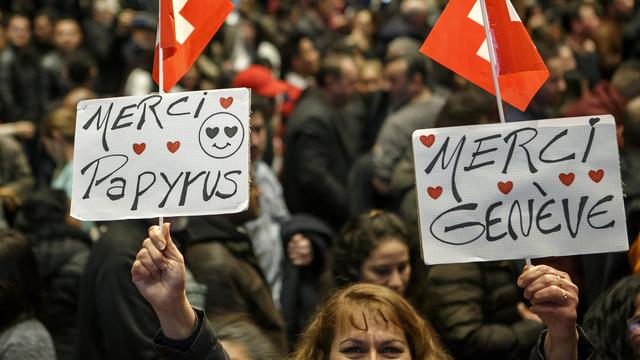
{"x":341,"y":308}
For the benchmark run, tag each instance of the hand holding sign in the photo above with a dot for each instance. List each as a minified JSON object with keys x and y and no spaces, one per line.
{"x":159,"y":274}
{"x":555,"y":300}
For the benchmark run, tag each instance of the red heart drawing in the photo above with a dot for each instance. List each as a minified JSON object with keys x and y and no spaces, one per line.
{"x":434,"y":192}
{"x":505,"y":187}
{"x":427,"y":140}
{"x":139,"y":148}
{"x":567,"y":179}
{"x":173,"y":146}
{"x":226,"y":102}
{"x":596,"y":176}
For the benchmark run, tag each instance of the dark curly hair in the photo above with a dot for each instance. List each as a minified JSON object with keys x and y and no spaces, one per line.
{"x":606,"y":321}
{"x":359,"y":237}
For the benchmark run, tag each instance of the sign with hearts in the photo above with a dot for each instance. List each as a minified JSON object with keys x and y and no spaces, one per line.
{"x":174,"y":154}
{"x":519,"y":190}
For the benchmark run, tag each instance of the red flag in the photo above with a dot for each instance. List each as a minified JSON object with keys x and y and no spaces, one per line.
{"x":458,"y":42}
{"x":187,"y":26}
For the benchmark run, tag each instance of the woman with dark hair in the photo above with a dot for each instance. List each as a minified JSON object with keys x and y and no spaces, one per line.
{"x":373,"y":248}
{"x":613,"y":321}
{"x":21,"y":335}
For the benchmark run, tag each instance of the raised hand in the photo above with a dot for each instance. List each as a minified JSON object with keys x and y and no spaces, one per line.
{"x":159,"y":274}
{"x":300,"y":250}
{"x":554,"y":298}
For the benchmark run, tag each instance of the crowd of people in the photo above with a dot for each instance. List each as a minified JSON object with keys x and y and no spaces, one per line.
{"x":325,"y":263}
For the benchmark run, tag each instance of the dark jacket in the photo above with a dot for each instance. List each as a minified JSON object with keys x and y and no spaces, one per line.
{"x":321,"y":145}
{"x":115,"y":321}
{"x":586,"y":349}
{"x":222,"y":258}
{"x":20,"y":74}
{"x":201,"y":345}
{"x":61,"y":251}
{"x":473,"y":307}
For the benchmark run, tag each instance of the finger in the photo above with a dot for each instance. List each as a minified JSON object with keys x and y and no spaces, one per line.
{"x":157,"y":237}
{"x":171,"y":247}
{"x":156,"y":255}
{"x":548,"y":280}
{"x":139,"y":273}
{"x":145,"y":259}
{"x":553,"y":295}
{"x":533,"y":272}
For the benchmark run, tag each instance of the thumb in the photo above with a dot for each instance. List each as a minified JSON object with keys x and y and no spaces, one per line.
{"x":171,"y":247}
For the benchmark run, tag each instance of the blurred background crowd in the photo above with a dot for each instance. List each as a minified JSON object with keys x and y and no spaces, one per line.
{"x":338,"y":86}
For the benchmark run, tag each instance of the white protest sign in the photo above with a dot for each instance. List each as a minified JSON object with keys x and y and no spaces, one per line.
{"x":517,"y":190}
{"x":162,"y":155}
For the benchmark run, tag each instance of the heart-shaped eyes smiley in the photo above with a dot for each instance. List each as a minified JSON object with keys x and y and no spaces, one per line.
{"x":230,"y":130}
{"x":212,"y":132}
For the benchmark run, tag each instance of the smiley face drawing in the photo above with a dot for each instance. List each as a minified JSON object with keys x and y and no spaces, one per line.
{"x":221,"y":135}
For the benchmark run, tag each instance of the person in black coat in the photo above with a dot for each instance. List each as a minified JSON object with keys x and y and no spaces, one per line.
{"x":114,"y":320}
{"x":61,"y":251}
{"x":321,"y":144}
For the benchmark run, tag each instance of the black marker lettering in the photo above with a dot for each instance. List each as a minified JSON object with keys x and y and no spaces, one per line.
{"x":171,"y":186}
{"x":235,"y":185}
{"x":592,"y":134}
{"x":592,"y":214}
{"x":123,"y":115}
{"x":442,"y":152}
{"x":95,"y":172}
{"x":100,"y":124}
{"x":140,"y":192}
{"x":204,"y":96}
{"x":120,"y":195}
{"x":463,"y":207}
{"x":170,"y":108}
{"x":490,"y":222}
{"x":479,"y":152}
{"x":514,"y":134}
{"x":151,"y":107}
{"x":540,"y":216}
{"x":512,"y":231}
{"x":565,"y":207}
{"x":206,"y":195}
{"x":551,"y":142}
{"x":185,"y":186}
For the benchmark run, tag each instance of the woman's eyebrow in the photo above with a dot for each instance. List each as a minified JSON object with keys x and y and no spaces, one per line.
{"x":354,"y":340}
{"x":391,"y":341}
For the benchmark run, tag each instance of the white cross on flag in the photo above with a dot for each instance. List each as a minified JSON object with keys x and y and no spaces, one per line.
{"x":186,"y":27}
{"x":458,"y":42}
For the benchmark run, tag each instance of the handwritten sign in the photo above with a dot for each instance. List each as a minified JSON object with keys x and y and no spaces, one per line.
{"x":162,"y":155}
{"x":511,"y":191}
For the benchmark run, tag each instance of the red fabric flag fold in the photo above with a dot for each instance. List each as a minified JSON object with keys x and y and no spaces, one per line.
{"x":458,"y":42}
{"x":186,"y":27}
